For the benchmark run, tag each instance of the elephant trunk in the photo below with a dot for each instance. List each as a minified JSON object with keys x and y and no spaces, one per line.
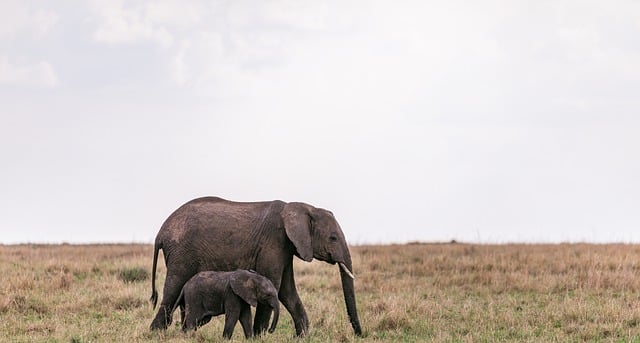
{"x":275,"y":304}
{"x":350,"y":294}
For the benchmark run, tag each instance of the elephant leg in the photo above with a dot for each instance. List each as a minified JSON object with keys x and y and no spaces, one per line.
{"x":192,"y":315}
{"x":162,"y":319}
{"x":172,"y":287}
{"x":263,"y":312}
{"x":289,"y":297}
{"x":204,"y":319}
{"x":261,"y":320}
{"x":230,"y":319}
{"x":245,"y":321}
{"x":189,"y":323}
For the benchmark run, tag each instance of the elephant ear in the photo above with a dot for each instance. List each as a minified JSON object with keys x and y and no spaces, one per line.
{"x":297,"y":224}
{"x":244,"y":286}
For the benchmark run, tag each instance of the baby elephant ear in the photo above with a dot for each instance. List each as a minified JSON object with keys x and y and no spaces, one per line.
{"x":244,"y":286}
{"x":297,"y":224}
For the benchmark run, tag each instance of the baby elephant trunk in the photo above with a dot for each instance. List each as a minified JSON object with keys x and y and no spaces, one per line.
{"x":275,"y":304}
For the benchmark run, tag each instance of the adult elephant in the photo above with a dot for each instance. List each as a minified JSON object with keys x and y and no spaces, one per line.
{"x":215,"y":234}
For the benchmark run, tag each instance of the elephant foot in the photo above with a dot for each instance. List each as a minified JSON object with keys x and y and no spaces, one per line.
{"x":156,"y":326}
{"x":302,"y":332}
{"x":261,"y":320}
{"x":162,"y":320}
{"x":258,"y":330}
{"x":302,"y":327}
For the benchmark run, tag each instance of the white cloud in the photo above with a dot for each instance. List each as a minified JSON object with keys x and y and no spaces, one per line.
{"x":174,"y":13}
{"x":199,"y":58}
{"x":44,"y":20}
{"x":19,"y":22}
{"x":456,"y":60}
{"x":438,"y":108}
{"x":36,"y":74}
{"x":286,"y":14}
{"x":157,"y":21}
{"x":120,"y":24}
{"x":16,"y":16}
{"x":221,"y":47}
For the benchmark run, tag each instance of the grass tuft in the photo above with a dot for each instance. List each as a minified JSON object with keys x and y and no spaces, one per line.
{"x":128,"y":303}
{"x":135,"y":274}
{"x":393,"y":322}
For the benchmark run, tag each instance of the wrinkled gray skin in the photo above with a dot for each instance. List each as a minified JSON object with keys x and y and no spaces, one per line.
{"x":210,"y":293}
{"x":215,"y":234}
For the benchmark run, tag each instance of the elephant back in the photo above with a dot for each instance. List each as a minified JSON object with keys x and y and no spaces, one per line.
{"x":215,"y":234}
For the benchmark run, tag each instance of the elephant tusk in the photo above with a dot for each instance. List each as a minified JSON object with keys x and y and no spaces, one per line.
{"x":346,"y":270}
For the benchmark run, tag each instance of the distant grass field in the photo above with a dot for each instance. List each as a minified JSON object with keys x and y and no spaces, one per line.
{"x":406,"y":293}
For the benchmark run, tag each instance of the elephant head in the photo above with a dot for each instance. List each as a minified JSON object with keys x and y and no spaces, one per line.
{"x":315,"y":233}
{"x":255,"y":288}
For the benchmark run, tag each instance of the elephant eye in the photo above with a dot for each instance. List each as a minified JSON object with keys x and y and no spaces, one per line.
{"x":333,"y":238}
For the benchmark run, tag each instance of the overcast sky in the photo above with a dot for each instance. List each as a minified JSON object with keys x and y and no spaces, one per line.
{"x":479,"y":121}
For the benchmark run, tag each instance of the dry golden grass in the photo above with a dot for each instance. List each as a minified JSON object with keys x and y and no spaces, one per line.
{"x":416,"y":292}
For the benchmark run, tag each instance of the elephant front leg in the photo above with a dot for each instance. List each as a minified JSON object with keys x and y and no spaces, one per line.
{"x":298,"y":313}
{"x":230,"y":319}
{"x":245,"y":321}
{"x":261,"y":320}
{"x":289,"y":297}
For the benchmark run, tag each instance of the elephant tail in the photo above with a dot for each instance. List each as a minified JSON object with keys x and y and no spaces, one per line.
{"x":154,"y":292}
{"x":178,"y":301}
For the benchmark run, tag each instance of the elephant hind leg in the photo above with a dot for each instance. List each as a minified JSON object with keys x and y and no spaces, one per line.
{"x":163,"y":318}
{"x":172,"y":287}
{"x":204,"y":319}
{"x":189,"y":323}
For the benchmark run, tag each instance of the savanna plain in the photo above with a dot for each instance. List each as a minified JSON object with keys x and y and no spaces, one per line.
{"x":405,"y":293}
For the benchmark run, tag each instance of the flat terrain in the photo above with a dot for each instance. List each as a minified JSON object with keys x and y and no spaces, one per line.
{"x":416,"y":292}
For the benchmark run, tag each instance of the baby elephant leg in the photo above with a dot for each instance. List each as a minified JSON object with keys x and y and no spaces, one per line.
{"x":189,"y":323}
{"x":230,"y":320}
{"x":245,"y":321}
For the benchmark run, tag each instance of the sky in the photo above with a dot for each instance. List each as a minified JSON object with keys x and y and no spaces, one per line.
{"x":475,"y":121}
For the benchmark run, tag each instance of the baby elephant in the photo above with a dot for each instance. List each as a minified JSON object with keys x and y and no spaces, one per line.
{"x":209,"y":294}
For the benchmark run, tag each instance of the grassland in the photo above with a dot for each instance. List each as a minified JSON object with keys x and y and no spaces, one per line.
{"x":409,"y":293}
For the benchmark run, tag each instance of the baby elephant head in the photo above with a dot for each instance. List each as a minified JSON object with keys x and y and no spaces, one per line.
{"x":255,"y":288}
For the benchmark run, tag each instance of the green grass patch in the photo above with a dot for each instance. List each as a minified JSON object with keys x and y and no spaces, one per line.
{"x":135,"y":274}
